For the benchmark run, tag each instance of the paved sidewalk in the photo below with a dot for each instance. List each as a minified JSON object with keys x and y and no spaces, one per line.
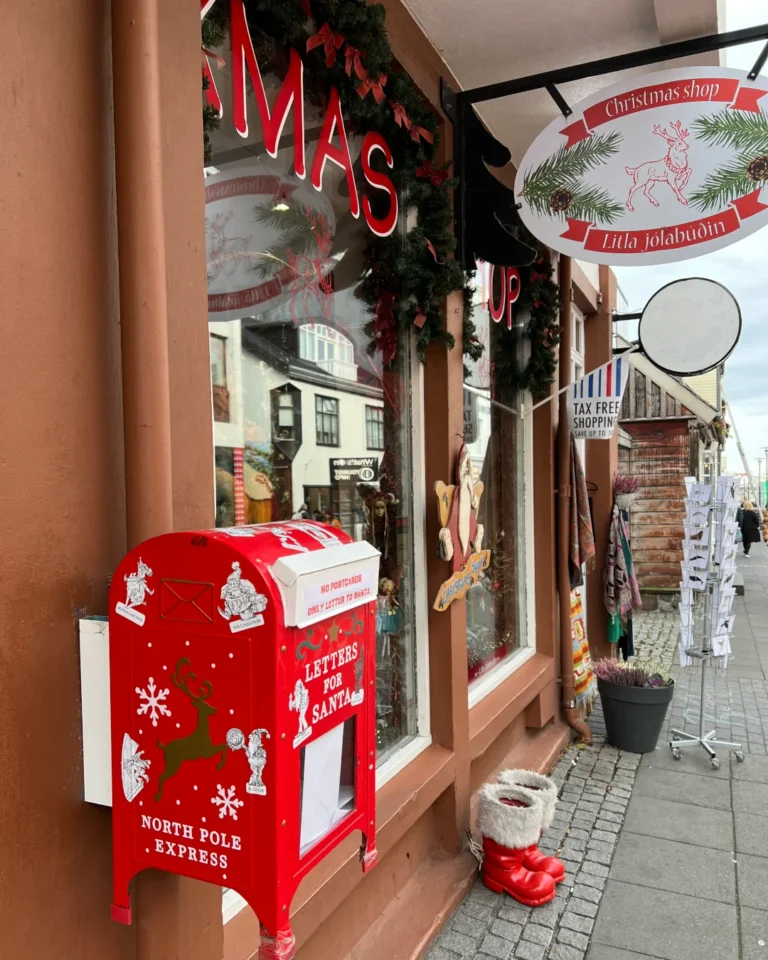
{"x":666,"y":859}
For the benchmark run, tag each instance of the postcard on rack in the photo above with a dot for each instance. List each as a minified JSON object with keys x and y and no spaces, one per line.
{"x":692,"y":551}
{"x":686,"y":596}
{"x":696,"y":535}
{"x":698,"y":492}
{"x":697,"y":514}
{"x":695,"y":580}
{"x":721,"y":646}
{"x":727,"y":490}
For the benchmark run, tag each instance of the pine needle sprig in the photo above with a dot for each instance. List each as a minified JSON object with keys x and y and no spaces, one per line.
{"x":725,"y":185}
{"x":734,"y":128}
{"x":593,"y":204}
{"x":568,"y":163}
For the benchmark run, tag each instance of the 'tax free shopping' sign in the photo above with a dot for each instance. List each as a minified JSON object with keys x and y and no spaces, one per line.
{"x":654,"y":169}
{"x":594,"y":402}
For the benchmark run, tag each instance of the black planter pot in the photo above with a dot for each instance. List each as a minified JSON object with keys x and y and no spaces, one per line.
{"x":634,"y":716}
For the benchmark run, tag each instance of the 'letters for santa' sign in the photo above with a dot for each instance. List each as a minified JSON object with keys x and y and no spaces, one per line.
{"x":652,"y":170}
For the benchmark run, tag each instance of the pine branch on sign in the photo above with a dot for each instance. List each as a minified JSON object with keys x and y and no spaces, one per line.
{"x":561,"y":172}
{"x":728,"y":183}
{"x":734,"y":128}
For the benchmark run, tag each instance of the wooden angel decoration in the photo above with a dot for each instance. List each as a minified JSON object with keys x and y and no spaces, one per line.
{"x":461,"y":536}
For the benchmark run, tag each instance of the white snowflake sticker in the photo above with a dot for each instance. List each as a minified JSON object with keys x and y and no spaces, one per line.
{"x":227,"y":802}
{"x":153,"y":706}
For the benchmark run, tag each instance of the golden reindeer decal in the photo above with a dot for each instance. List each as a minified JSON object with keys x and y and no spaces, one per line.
{"x":198,"y":744}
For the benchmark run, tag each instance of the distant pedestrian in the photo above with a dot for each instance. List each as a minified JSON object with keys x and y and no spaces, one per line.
{"x":750,"y":526}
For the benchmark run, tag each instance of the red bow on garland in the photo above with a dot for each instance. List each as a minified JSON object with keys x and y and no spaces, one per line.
{"x":417,"y":131}
{"x":539,"y":305}
{"x":427,"y":171}
{"x":330,"y":41}
{"x":304,"y":4}
{"x":375,"y":86}
{"x":354,"y":61}
{"x":535,"y":277}
{"x":385,"y":327}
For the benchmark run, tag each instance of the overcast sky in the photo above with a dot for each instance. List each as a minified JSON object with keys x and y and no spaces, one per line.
{"x":743,"y":268}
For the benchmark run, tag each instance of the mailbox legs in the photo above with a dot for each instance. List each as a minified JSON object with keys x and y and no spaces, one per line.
{"x":281,"y":946}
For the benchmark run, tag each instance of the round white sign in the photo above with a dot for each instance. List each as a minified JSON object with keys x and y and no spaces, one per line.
{"x":689,"y":327}
{"x":654,"y":169}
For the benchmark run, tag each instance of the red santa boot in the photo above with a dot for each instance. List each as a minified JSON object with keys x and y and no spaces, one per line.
{"x":509,"y":820}
{"x":546,"y":791}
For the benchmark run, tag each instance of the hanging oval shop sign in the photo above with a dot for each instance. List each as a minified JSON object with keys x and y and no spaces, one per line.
{"x":652,"y":170}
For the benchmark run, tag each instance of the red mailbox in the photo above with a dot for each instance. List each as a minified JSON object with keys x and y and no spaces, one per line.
{"x":242,"y":676}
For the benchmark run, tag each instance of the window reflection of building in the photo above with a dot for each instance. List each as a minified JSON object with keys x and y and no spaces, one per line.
{"x":310,"y":407}
{"x":496,"y":607}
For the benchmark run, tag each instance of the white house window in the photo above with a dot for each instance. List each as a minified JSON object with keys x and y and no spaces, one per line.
{"x":327,"y":421}
{"x":329,"y":349}
{"x":374,"y":428}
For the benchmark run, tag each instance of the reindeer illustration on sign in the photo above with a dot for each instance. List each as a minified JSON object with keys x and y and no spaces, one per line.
{"x":672,"y":169}
{"x":198,"y":745}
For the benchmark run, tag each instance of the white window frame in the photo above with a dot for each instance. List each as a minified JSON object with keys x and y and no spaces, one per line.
{"x":490,"y":681}
{"x":412,"y":747}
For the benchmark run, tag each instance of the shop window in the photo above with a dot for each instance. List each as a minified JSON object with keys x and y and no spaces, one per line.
{"x":496,"y":437}
{"x":374,"y":428}
{"x":284,"y":263}
{"x":218,"y":348}
{"x":327,"y":421}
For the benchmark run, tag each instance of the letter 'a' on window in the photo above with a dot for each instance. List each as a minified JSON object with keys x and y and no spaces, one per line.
{"x":316,"y":427}
{"x":494,"y":434}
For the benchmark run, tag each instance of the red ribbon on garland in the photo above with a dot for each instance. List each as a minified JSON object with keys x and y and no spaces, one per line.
{"x":373,"y":86}
{"x":417,"y":131}
{"x":535,"y":277}
{"x":330,"y":41}
{"x":539,"y":305}
{"x":431,"y":248}
{"x":401,"y":117}
{"x":385,"y":327}
{"x":354,"y":62}
{"x":304,"y":4}
{"x":428,"y":171}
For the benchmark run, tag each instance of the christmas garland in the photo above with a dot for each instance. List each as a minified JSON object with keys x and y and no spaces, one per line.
{"x":345,"y":45}
{"x":539,"y":296}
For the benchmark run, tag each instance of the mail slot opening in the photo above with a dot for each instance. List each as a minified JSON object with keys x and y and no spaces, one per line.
{"x":327,"y":783}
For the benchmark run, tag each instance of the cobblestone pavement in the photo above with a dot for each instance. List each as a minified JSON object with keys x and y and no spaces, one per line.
{"x":662,"y":857}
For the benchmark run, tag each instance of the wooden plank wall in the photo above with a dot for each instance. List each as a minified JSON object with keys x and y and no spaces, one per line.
{"x":660,"y":456}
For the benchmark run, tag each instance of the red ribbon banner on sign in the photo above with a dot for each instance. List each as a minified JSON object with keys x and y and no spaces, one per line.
{"x":666,"y":238}
{"x":698,"y":90}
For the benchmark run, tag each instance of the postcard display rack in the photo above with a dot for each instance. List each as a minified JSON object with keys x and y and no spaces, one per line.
{"x":707,"y":592}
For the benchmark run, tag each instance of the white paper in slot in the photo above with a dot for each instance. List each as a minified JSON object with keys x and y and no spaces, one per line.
{"x":320,"y":789}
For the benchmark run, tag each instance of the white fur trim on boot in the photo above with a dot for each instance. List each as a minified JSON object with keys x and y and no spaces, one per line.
{"x":513,"y":827}
{"x":541,"y":785}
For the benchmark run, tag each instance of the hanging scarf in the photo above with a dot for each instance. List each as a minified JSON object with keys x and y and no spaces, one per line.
{"x":582,"y":538}
{"x":621,"y":590}
{"x":585,"y":685}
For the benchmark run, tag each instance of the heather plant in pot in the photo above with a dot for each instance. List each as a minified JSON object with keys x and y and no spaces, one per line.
{"x":635,"y":698}
{"x":625,"y":490}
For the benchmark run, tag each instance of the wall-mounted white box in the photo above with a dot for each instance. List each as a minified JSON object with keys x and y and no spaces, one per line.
{"x":94,"y":691}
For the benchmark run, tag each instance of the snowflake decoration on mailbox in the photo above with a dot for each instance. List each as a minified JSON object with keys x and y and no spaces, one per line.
{"x":193,"y":793}
{"x":461,"y":535}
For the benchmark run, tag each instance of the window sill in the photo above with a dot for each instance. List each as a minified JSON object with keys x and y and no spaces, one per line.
{"x":499,"y":707}
{"x":485,"y":685}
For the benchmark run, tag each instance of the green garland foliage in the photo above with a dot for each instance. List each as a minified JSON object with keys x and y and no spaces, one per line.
{"x":540,"y":297}
{"x":417,"y":269}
